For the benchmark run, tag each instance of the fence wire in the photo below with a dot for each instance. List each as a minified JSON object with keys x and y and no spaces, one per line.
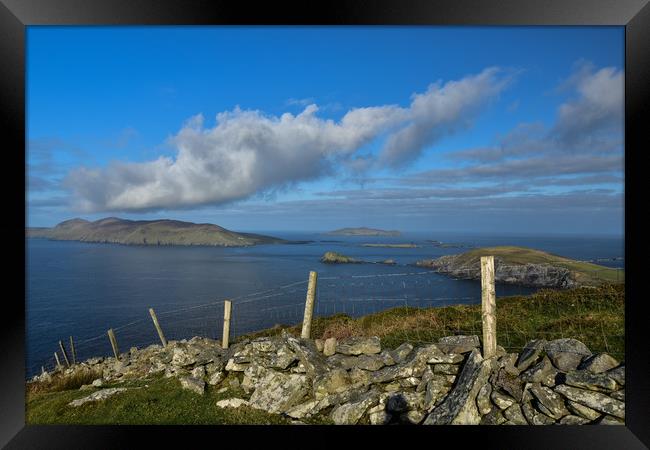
{"x":404,"y":306}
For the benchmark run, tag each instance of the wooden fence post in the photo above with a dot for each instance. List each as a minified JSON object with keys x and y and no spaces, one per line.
{"x":58,"y":363}
{"x":227,"y":308}
{"x":72,"y":350}
{"x":157,"y":325}
{"x":64,"y":353}
{"x":488,"y":306}
{"x":111,"y":337}
{"x":309,"y":305}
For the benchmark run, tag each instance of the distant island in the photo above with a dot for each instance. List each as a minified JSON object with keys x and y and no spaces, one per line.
{"x":392,"y":245}
{"x":525,"y":266}
{"x":362,"y":231}
{"x":114,"y":230}
{"x":338,"y":258}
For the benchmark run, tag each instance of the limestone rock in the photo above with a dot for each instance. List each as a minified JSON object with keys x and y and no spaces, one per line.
{"x":617,"y":374}
{"x":181,"y":357}
{"x":332,"y":382}
{"x":277,"y":392}
{"x":193,"y":384}
{"x":530,"y":354}
{"x":232,"y":403}
{"x":533,"y":417}
{"x":216,"y":378}
{"x":598,"y":363}
{"x":436,"y":389}
{"x":539,"y":372}
{"x":566,"y":354}
{"x":359,"y":345}
{"x":609,"y":420}
{"x":459,"y":407}
{"x":446,"y":358}
{"x":594,"y":400}
{"x":573,"y":420}
{"x":320,"y":344}
{"x":502,"y":400}
{"x":198,"y":372}
{"x":350,"y":413}
{"x":314,"y":362}
{"x":618,"y":395}
{"x":494,"y":417}
{"x":378,"y":415}
{"x":582,"y":410}
{"x":98,"y":382}
{"x":447,"y":369}
{"x":304,"y":410}
{"x":592,"y":381}
{"x":552,"y":403}
{"x":369,"y":362}
{"x":329,"y":347}
{"x":483,"y":399}
{"x":458,"y":344}
{"x":96,"y":396}
{"x":400,"y":353}
{"x":515,"y":415}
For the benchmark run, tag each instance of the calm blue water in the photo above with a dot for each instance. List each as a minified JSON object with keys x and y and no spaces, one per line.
{"x":82,"y":290}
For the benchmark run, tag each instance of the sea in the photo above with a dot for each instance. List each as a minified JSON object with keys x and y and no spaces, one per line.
{"x":80,"y":290}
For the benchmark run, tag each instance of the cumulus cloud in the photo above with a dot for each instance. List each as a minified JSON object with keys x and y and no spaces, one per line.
{"x":441,"y":110}
{"x":248,"y":152}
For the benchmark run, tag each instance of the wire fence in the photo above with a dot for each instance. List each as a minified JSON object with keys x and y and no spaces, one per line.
{"x":399,"y":307}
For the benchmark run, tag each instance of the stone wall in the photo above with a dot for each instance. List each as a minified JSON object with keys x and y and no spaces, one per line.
{"x":355,"y":381}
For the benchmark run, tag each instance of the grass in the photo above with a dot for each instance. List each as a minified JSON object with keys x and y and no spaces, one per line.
{"x":585,"y":272}
{"x":161,"y":402}
{"x":593,"y":315}
{"x":65,"y":383}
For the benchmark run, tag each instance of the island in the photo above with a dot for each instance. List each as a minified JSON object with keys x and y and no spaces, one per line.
{"x":338,"y":258}
{"x":114,"y":230}
{"x":525,"y":267}
{"x":392,"y":245}
{"x":362,"y":231}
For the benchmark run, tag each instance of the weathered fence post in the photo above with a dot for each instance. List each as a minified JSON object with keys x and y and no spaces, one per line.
{"x":72,"y":350}
{"x":157,"y":325}
{"x":227,"y":308}
{"x":488,"y":306}
{"x":58,"y":363}
{"x":64,"y":353}
{"x":111,"y":337}
{"x":309,"y":305}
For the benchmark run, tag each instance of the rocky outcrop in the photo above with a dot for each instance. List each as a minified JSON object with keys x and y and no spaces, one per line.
{"x":533,"y":275}
{"x":355,"y":381}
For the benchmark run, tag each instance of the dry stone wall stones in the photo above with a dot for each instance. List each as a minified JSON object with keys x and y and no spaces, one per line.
{"x":552,"y":403}
{"x":573,"y":420}
{"x":582,"y":410}
{"x":617,"y":374}
{"x":332,"y":382}
{"x":594,"y":400}
{"x":304,"y":410}
{"x":609,"y":420}
{"x":400,"y":353}
{"x":96,"y":396}
{"x":455,"y":406}
{"x":598,"y":363}
{"x":515,"y":415}
{"x":359,"y":345}
{"x":458,"y":344}
{"x":502,"y":400}
{"x":566,"y":354}
{"x":618,"y":395}
{"x":232,"y":403}
{"x":216,"y":378}
{"x":530,"y":354}
{"x":447,"y":369}
{"x":314,"y":362}
{"x":592,"y":381}
{"x":483,"y":399}
{"x":320,"y":344}
{"x":329,"y":347}
{"x":378,"y":415}
{"x":494,"y":417}
{"x":539,"y":372}
{"x":277,"y":392}
{"x":350,"y":413}
{"x":193,"y":384}
{"x":369,"y":362}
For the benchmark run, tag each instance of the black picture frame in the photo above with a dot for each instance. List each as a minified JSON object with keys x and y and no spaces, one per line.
{"x":15,"y":15}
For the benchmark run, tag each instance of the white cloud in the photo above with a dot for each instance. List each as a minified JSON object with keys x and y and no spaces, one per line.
{"x":249,"y":152}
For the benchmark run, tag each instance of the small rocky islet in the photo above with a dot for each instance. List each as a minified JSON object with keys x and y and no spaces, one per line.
{"x":356,"y":381}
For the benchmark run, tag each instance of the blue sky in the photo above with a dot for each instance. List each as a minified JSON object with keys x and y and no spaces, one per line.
{"x":509,"y":129}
